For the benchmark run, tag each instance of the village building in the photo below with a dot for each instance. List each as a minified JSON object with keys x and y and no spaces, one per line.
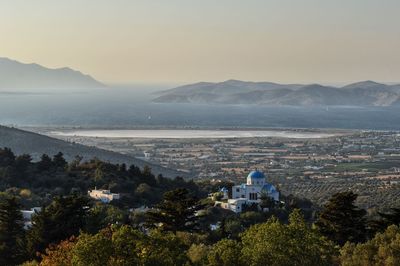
{"x":104,"y":195}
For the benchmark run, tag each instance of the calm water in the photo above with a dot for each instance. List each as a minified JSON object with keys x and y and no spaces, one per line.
{"x":131,"y":108}
{"x":187,"y":134}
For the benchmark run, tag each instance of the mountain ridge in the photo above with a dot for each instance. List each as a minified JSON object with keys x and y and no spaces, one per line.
{"x":364,"y":93}
{"x":18,"y":75}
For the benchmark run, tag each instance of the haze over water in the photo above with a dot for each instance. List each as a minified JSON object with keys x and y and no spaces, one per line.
{"x":189,"y":134}
{"x":128,"y":109}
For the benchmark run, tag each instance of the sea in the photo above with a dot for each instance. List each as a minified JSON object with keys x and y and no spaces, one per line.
{"x":128,"y":108}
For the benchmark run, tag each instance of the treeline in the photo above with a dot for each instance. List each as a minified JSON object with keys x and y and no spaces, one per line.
{"x":71,"y":231}
{"x":36,"y":183}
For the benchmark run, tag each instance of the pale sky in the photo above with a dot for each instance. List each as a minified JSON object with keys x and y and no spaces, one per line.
{"x":178,"y":41}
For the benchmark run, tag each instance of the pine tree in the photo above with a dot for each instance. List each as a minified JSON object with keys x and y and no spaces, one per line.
{"x":63,"y":218}
{"x":39,"y":236}
{"x":11,"y":232}
{"x":176,"y":212}
{"x":59,"y":160}
{"x":45,"y":163}
{"x":341,"y":220}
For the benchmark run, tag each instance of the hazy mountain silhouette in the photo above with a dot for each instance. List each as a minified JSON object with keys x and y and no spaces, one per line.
{"x":17,"y":75}
{"x":365,"y":93}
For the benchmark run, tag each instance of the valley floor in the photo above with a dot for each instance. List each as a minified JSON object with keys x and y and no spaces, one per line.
{"x":313,"y":166}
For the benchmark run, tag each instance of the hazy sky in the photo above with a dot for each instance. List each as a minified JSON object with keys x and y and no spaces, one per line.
{"x":156,"y":41}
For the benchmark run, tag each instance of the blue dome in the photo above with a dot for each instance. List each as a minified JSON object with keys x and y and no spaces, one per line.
{"x":269,"y":188}
{"x":256,"y":175}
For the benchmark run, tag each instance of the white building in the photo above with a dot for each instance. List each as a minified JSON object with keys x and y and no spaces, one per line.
{"x":251,"y":192}
{"x":104,"y":195}
{"x":147,"y":155}
{"x":27,"y":216}
{"x":235,"y":205}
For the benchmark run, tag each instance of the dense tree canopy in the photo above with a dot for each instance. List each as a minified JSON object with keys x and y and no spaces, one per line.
{"x":60,"y":254}
{"x":225,"y":253}
{"x":383,"y":249}
{"x":271,"y":243}
{"x":53,"y":176}
{"x":119,"y":246}
{"x":274,"y":243}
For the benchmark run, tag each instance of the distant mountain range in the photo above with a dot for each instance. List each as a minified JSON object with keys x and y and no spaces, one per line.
{"x":21,"y":141}
{"x":366,"y":93}
{"x":17,"y":75}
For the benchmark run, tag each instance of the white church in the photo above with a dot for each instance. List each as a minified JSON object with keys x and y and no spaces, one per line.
{"x":249,"y":193}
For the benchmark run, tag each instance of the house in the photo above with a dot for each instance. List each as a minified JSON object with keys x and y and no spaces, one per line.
{"x":104,"y":195}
